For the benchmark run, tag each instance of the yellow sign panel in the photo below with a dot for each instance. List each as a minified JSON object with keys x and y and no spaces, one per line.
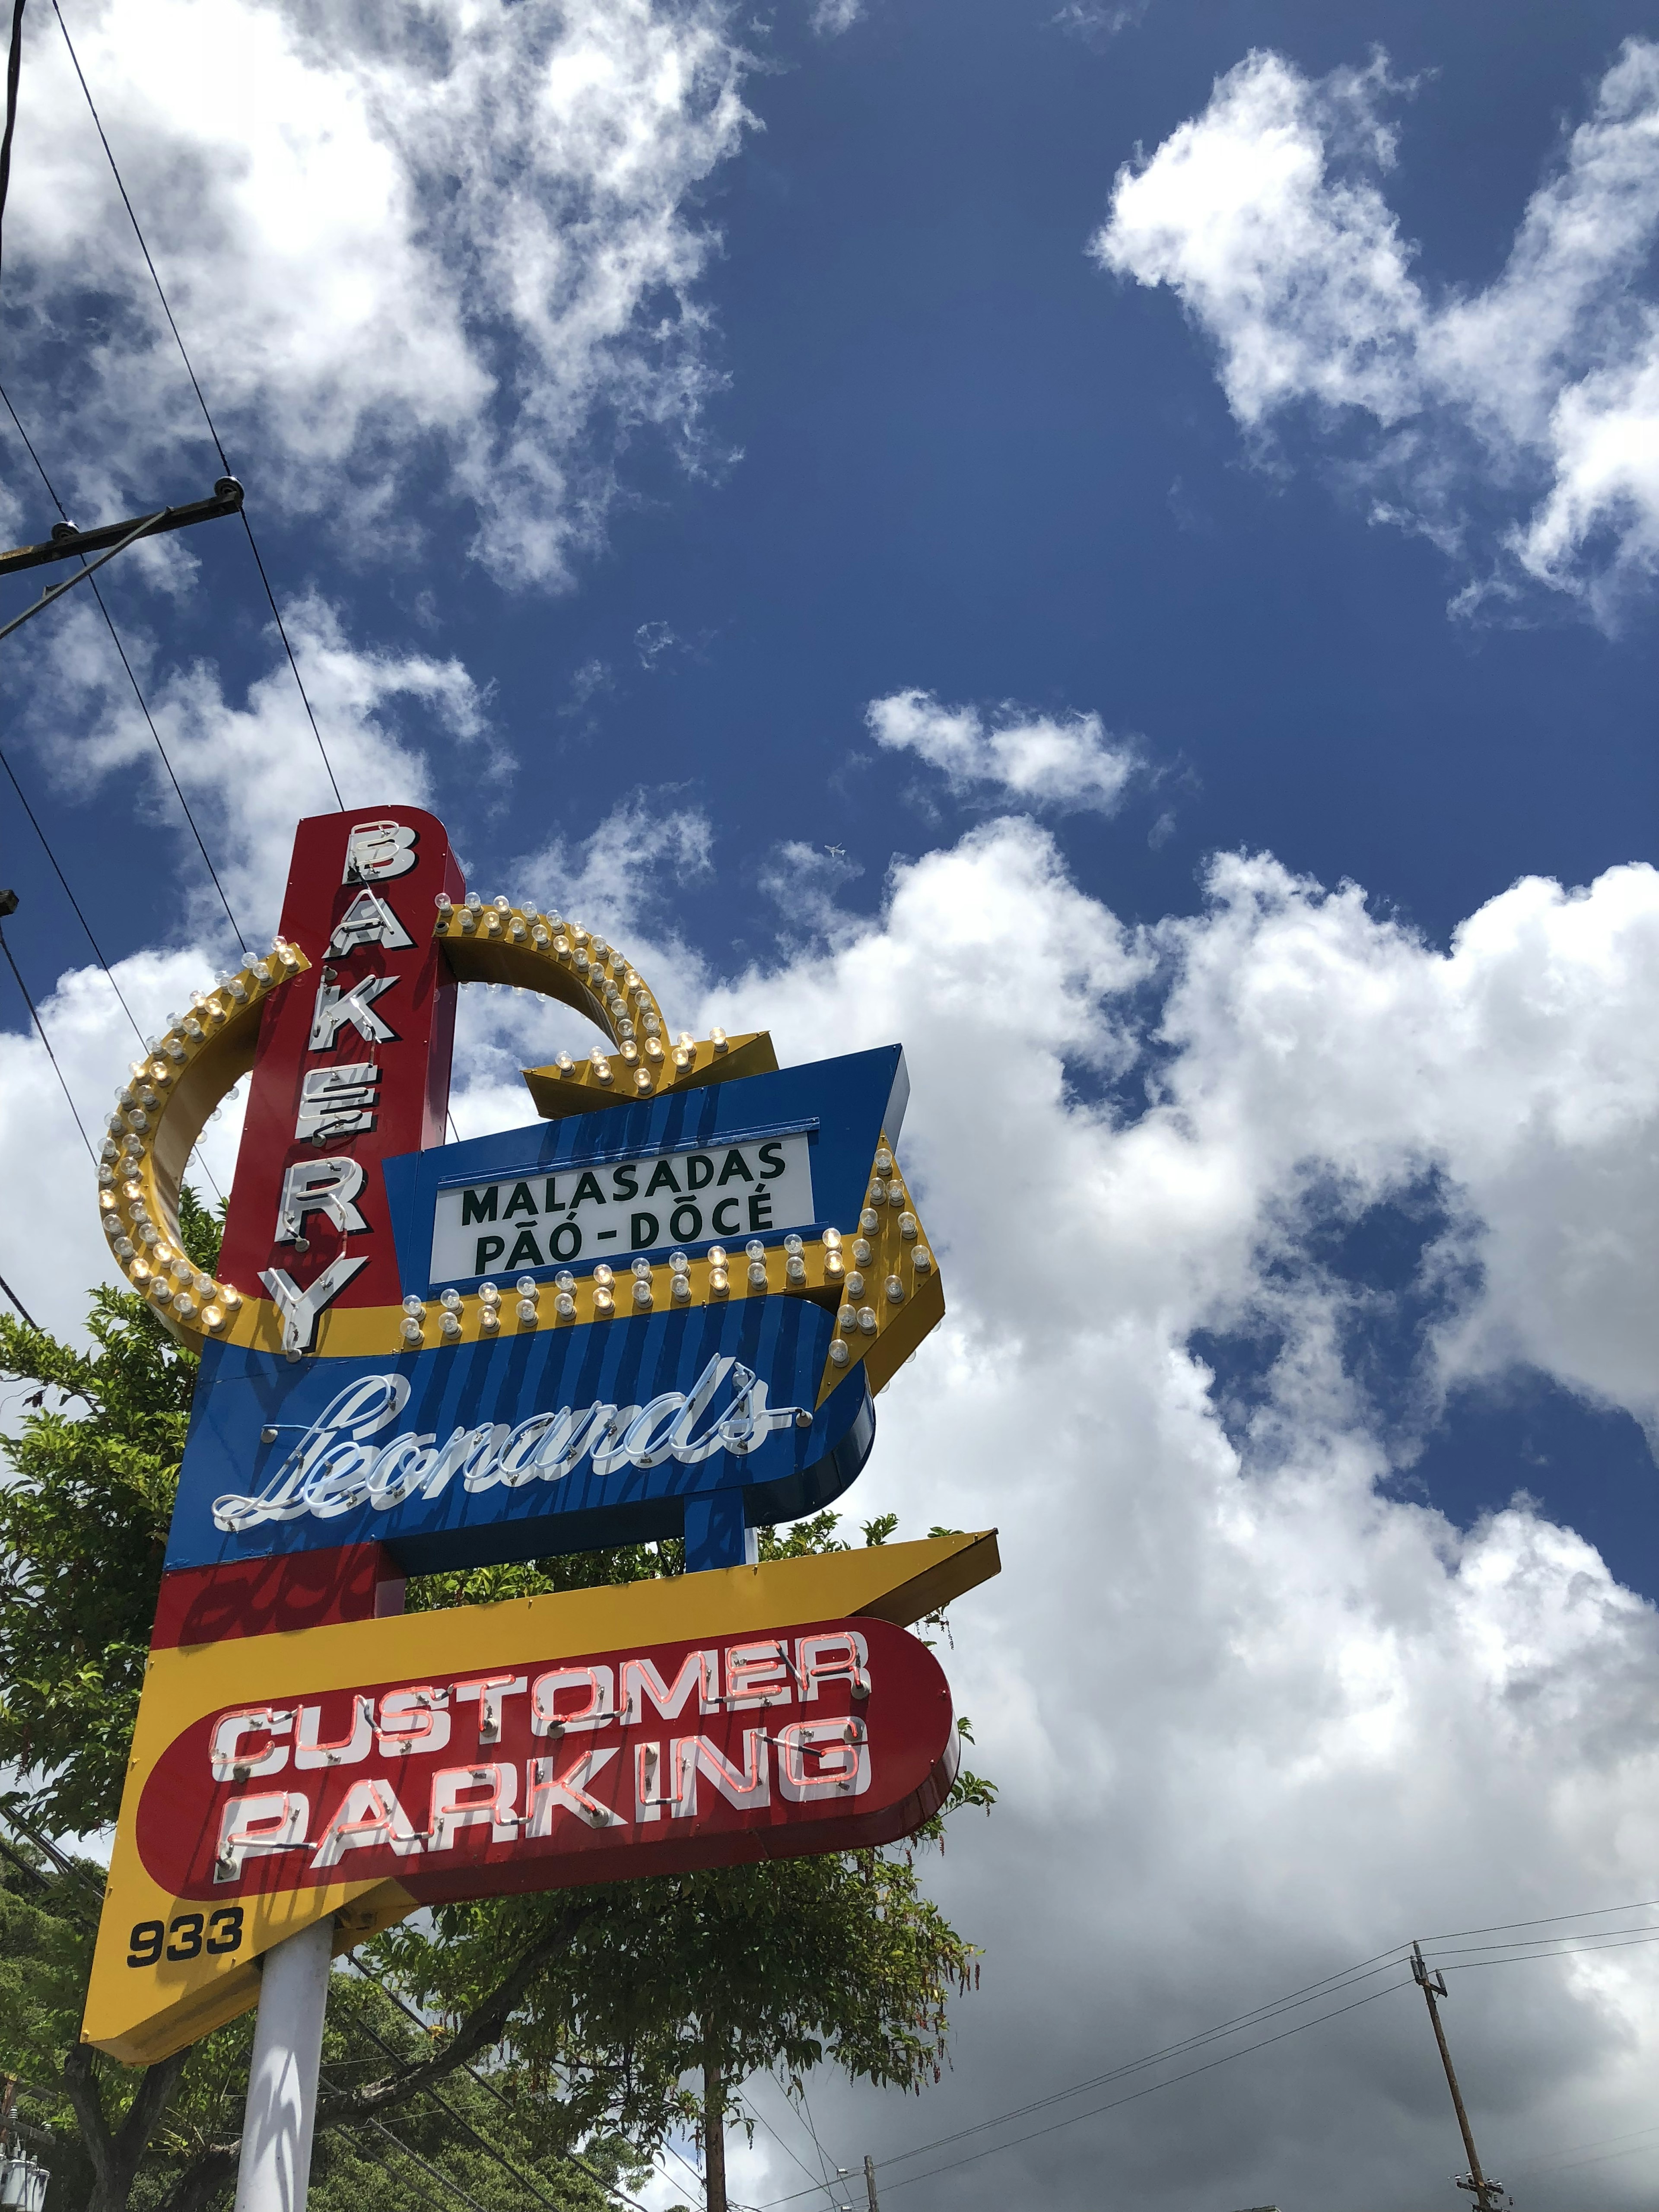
{"x":171,"y":1963}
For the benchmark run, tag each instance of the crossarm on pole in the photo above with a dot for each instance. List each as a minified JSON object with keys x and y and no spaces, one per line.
{"x":66,"y":541}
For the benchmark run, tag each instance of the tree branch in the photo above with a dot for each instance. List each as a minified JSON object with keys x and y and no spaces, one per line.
{"x":214,"y":2168}
{"x":115,"y":2157}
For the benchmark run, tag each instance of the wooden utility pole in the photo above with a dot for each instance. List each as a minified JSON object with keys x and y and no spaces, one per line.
{"x":870,"y":2181}
{"x":713,"y":2129}
{"x":1485,"y":2193}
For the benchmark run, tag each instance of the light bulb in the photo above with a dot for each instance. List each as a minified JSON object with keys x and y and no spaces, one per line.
{"x":921,"y":1260}
{"x":414,"y":1307}
{"x":488,"y":1293}
{"x":839,"y":1355}
{"x":564,"y":1305}
{"x":867,"y":1320}
{"x":894,"y":1289}
{"x":527,"y":1310}
{"x":603,"y":1276}
{"x":451,"y":1298}
{"x":525,"y":1286}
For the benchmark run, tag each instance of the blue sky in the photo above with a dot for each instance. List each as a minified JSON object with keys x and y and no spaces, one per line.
{"x":1118,"y":544}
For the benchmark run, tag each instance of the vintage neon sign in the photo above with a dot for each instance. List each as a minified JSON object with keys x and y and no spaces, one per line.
{"x":662,"y":1307}
{"x":716,"y":1207}
{"x":577,"y":1768}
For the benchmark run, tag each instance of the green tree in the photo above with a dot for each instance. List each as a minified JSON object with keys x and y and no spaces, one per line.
{"x":542,"y":2045}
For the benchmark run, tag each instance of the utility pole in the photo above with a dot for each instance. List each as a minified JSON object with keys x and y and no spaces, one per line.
{"x":870,"y":2181}
{"x":714,"y":2128}
{"x":108,"y":539}
{"x":1486,"y":2194}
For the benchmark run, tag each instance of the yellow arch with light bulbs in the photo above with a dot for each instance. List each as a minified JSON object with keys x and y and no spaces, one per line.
{"x":889,"y":1294}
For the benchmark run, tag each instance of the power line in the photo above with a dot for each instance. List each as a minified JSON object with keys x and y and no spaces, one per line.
{"x":483,"y":2082}
{"x":1031,"y":2134}
{"x":788,"y":2151}
{"x":52,"y":856}
{"x":13,"y":70}
{"x":1568,"y":1945}
{"x":143,"y":706}
{"x":47,"y":1041}
{"x":207,"y":417}
{"x":455,"y":2117}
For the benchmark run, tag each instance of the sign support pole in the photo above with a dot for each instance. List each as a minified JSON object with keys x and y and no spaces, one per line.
{"x":274,"y":2172}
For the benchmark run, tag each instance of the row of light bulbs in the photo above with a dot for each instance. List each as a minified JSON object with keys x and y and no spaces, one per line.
{"x":853,"y":1319}
{"x":142,"y":1244}
{"x":603,"y":972}
{"x":634,"y":1018}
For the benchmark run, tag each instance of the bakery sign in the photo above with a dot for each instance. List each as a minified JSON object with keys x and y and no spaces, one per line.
{"x":661,"y":1308}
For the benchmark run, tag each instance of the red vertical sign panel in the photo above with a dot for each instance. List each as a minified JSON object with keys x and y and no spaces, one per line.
{"x":352,"y":1067}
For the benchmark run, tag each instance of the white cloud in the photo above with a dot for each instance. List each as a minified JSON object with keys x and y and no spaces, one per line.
{"x":1263,"y":213}
{"x":457,"y":236}
{"x":1253,"y":1718}
{"x":1042,"y":759}
{"x":249,"y":767}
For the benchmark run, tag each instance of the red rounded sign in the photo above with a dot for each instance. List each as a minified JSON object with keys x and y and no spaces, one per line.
{"x":833,"y":1736}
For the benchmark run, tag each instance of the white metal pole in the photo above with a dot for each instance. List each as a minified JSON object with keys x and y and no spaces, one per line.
{"x":282,"y":2086}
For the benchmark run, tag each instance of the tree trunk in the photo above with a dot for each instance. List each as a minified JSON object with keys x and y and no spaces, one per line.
{"x":713,"y":2129}
{"x":115,"y":2156}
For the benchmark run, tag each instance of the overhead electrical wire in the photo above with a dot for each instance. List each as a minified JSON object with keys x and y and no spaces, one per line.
{"x":41,"y":1028}
{"x":456,"y":2119}
{"x":573,"y":2158}
{"x":207,"y":416}
{"x":789,"y":2151}
{"x":1567,"y":1945}
{"x":143,"y":705}
{"x":13,"y":70}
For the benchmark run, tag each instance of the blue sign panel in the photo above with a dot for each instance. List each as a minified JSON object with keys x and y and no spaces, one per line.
{"x":728,"y":1162}
{"x":559,"y":1441}
{"x":700,"y":1421}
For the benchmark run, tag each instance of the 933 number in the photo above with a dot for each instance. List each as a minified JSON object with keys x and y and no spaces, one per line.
{"x":182,"y":1937}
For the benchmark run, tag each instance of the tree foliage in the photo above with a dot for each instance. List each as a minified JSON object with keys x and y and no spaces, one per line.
{"x":494,"y":2041}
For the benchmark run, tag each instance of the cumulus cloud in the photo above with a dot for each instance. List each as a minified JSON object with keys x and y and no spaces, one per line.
{"x":454,"y":241}
{"x":250,"y":766}
{"x":1066,"y":760}
{"x":1540,"y":393}
{"x":1254,"y":1716}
